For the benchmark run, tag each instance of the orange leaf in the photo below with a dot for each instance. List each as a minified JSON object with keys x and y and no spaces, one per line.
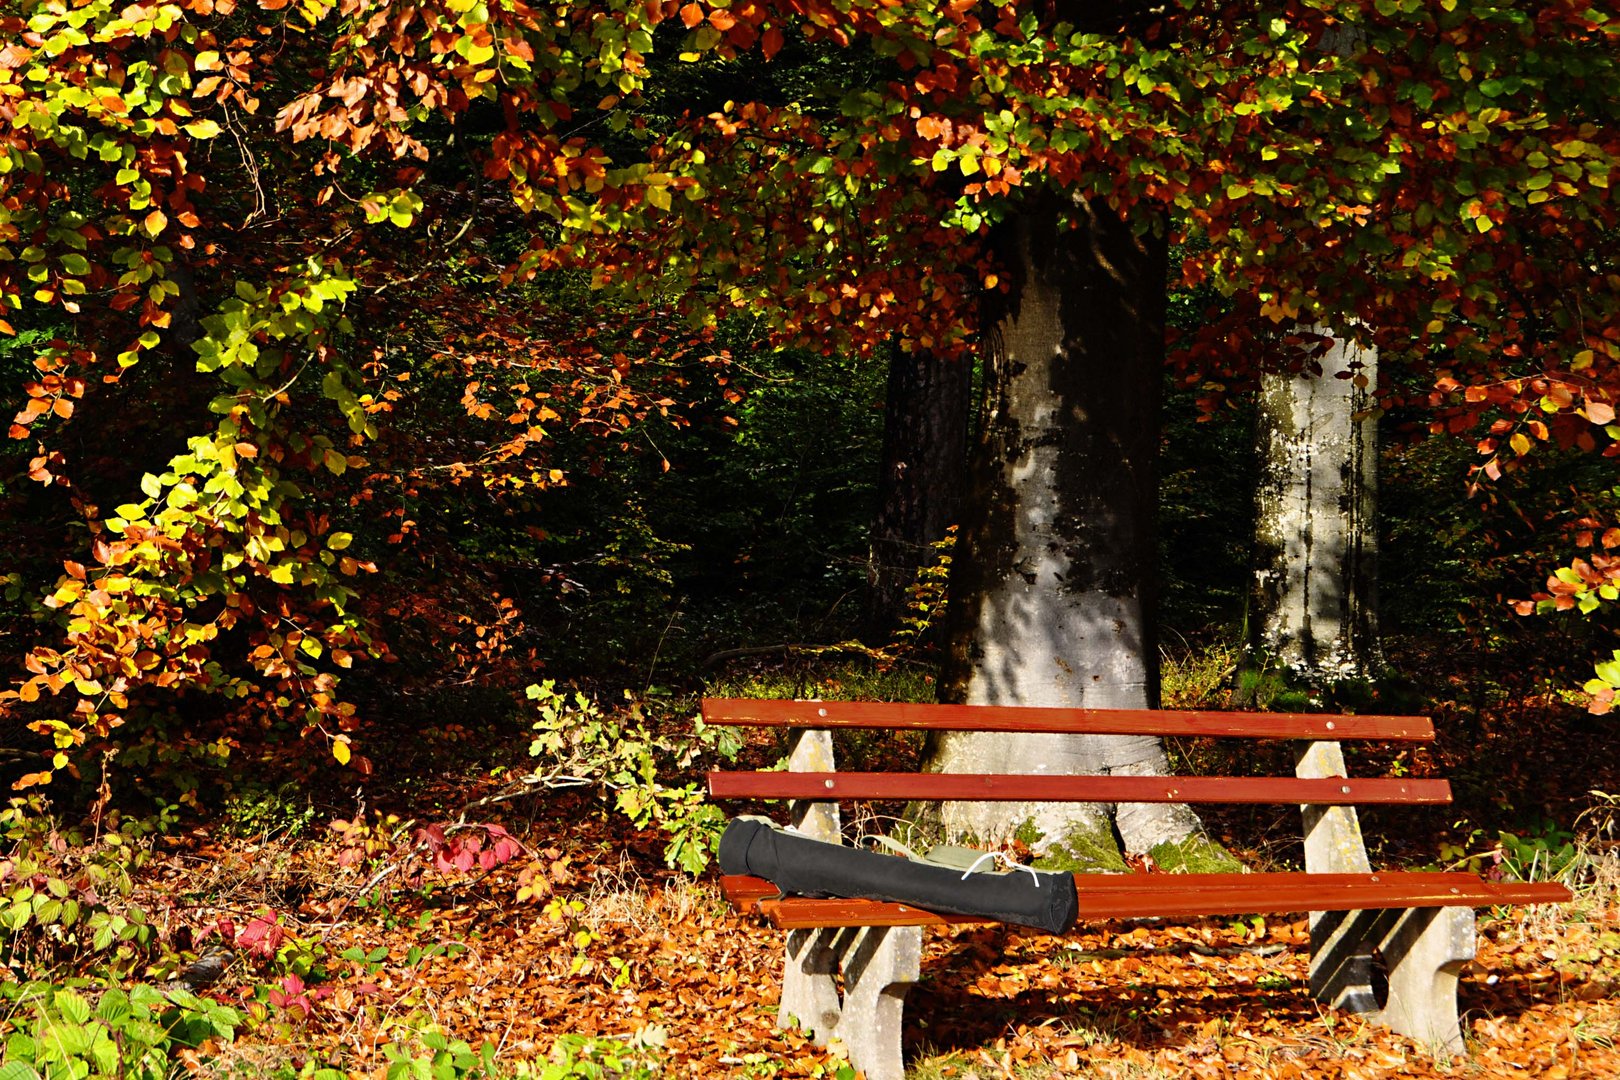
{"x":772,"y":42}
{"x":722,"y":20}
{"x":63,"y":408}
{"x":691,"y":15}
{"x":1600,"y":412}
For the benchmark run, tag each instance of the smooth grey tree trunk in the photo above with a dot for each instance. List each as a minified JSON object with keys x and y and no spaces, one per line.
{"x":1314,"y":607}
{"x":1050,"y":595}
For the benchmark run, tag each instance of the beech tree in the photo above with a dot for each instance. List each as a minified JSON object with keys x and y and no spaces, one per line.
{"x":347,"y":205}
{"x":1052,"y":599}
{"x":1314,"y":609}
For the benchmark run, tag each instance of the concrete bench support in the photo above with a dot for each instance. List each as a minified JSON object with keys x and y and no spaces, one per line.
{"x":878,"y":964}
{"x":1423,"y":949}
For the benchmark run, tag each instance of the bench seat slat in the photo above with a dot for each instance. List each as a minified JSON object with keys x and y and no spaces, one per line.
{"x":1141,"y":895}
{"x":739,"y":712}
{"x":744,"y":890}
{"x":1040,"y":787}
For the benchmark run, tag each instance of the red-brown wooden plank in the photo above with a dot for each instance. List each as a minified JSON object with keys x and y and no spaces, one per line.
{"x":1040,"y":787}
{"x":745,"y":891}
{"x":1264,"y":896}
{"x":749,"y":712}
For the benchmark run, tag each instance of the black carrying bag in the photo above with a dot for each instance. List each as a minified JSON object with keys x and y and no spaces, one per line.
{"x":801,"y":866}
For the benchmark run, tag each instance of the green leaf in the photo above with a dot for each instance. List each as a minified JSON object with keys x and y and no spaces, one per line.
{"x":202,"y":129}
{"x":339,"y":540}
{"x":73,"y":1007}
{"x":114,"y":1007}
{"x":403,"y":208}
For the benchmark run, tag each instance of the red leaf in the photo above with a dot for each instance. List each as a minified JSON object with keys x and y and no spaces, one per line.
{"x":771,"y":43}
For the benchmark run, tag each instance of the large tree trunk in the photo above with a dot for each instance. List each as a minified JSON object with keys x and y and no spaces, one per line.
{"x":1050,"y":596}
{"x":1314,"y":605}
{"x":925,"y":426}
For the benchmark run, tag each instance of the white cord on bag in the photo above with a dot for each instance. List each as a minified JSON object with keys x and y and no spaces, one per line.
{"x":1007,"y":861}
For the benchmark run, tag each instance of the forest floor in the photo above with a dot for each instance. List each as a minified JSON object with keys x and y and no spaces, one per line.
{"x":577,"y":953}
{"x":613,"y":954}
{"x":609,"y":943}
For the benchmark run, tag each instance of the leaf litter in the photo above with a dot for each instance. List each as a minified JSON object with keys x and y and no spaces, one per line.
{"x":612,"y":944}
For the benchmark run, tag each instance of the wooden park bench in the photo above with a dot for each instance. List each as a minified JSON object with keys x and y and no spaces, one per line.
{"x":1420,"y":923}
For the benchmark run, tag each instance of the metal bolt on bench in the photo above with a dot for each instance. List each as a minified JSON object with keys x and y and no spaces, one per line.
{"x":1421,"y":923}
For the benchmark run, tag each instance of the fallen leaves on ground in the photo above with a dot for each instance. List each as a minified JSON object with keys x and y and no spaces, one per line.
{"x":620,"y":949}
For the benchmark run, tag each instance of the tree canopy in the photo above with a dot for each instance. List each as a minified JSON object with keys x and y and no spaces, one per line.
{"x":296,"y":290}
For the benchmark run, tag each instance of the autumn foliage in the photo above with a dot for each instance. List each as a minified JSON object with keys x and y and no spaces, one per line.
{"x":294,"y":283}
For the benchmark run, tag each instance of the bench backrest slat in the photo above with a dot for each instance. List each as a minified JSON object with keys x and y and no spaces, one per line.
{"x":990,"y":787}
{"x":751,"y":712}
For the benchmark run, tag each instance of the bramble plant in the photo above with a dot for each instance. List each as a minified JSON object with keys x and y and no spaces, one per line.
{"x":578,"y":744}
{"x":584,"y":1057}
{"x":60,"y":1034}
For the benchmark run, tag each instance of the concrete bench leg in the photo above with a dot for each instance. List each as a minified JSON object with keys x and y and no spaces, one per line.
{"x":1341,"y":959}
{"x":1424,"y":949}
{"x":879,"y":964}
{"x":809,"y":986}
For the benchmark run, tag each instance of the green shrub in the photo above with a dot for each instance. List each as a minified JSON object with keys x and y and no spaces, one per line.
{"x":587,"y":1057}
{"x":63,"y":1034}
{"x":579,"y":743}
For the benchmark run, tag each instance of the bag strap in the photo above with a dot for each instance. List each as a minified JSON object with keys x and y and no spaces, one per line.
{"x":893,"y":845}
{"x":949,"y":856}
